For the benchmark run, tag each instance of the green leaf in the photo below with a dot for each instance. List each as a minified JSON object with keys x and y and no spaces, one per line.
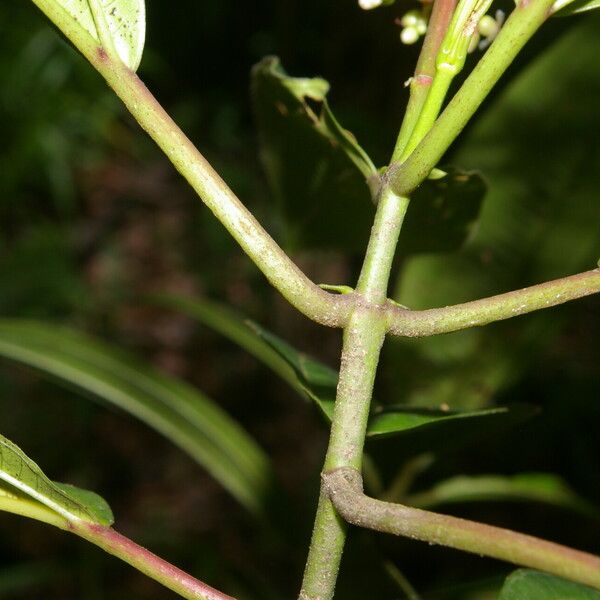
{"x":310,"y":370}
{"x":533,"y":585}
{"x":576,"y":7}
{"x":310,"y":378}
{"x":317,"y":382}
{"x":430,"y":424}
{"x":317,"y":171}
{"x":125,"y":22}
{"x":534,"y":487}
{"x":443,"y":212}
{"x":233,"y":326}
{"x":524,"y":228}
{"x":271,"y":74}
{"x":319,"y":174}
{"x":25,"y":489}
{"x":178,"y":411}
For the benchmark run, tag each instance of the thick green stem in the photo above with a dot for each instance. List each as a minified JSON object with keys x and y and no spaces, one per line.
{"x":375,"y":273}
{"x":363,"y":338}
{"x":284,"y":275}
{"x":145,"y":561}
{"x":441,"y":13}
{"x":434,"y":321}
{"x":518,"y":29}
{"x":344,"y":487}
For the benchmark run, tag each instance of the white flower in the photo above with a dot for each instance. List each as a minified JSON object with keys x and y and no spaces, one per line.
{"x":369,"y":4}
{"x":414,"y":25}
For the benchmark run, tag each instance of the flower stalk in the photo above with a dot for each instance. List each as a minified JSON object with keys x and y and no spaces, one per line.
{"x":523,"y":22}
{"x":420,"y":83}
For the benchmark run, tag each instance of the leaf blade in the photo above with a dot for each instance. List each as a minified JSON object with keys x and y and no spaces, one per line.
{"x":26,"y":478}
{"x":125,"y":21}
{"x":534,"y":585}
{"x":315,"y":169}
{"x":320,"y":174}
{"x":318,"y":382}
{"x":176,"y":410}
{"x":533,"y":487}
{"x":231,"y":325}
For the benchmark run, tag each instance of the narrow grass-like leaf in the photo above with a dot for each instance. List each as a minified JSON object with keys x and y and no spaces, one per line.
{"x":310,"y":378}
{"x":175,"y":409}
{"x":25,"y":489}
{"x":230,"y":324}
{"x":524,"y":487}
{"x":317,"y":382}
{"x":122,"y":23}
{"x":533,"y":585}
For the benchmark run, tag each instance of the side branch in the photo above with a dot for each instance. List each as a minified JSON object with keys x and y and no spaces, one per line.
{"x":523,"y":22}
{"x":145,"y":561}
{"x":280,"y":270}
{"x":344,"y":487}
{"x":421,"y":323}
{"x":420,"y":83}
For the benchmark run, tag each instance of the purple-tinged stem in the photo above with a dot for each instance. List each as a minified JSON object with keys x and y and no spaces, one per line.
{"x":145,"y":561}
{"x":441,"y":13}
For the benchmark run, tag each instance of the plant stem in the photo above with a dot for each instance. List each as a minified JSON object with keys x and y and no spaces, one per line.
{"x":423,"y":323}
{"x":375,"y":273}
{"x":145,"y":561}
{"x":317,"y":304}
{"x":429,"y":111}
{"x":363,"y":338}
{"x":344,"y":487}
{"x":441,"y":13}
{"x":523,"y":22}
{"x":102,"y":28}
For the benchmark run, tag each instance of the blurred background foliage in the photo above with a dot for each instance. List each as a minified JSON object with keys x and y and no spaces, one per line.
{"x":94,"y":219}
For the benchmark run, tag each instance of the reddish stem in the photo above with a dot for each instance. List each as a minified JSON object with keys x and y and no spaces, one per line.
{"x":441,"y":13}
{"x":148,"y":563}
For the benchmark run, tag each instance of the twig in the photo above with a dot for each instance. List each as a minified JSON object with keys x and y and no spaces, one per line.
{"x":420,"y":323}
{"x":344,"y":487}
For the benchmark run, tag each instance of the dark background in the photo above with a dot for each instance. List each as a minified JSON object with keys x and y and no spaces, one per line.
{"x":92,"y":218}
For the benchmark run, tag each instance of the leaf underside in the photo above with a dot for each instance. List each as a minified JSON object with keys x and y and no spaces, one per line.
{"x":25,"y":489}
{"x":126,"y":22}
